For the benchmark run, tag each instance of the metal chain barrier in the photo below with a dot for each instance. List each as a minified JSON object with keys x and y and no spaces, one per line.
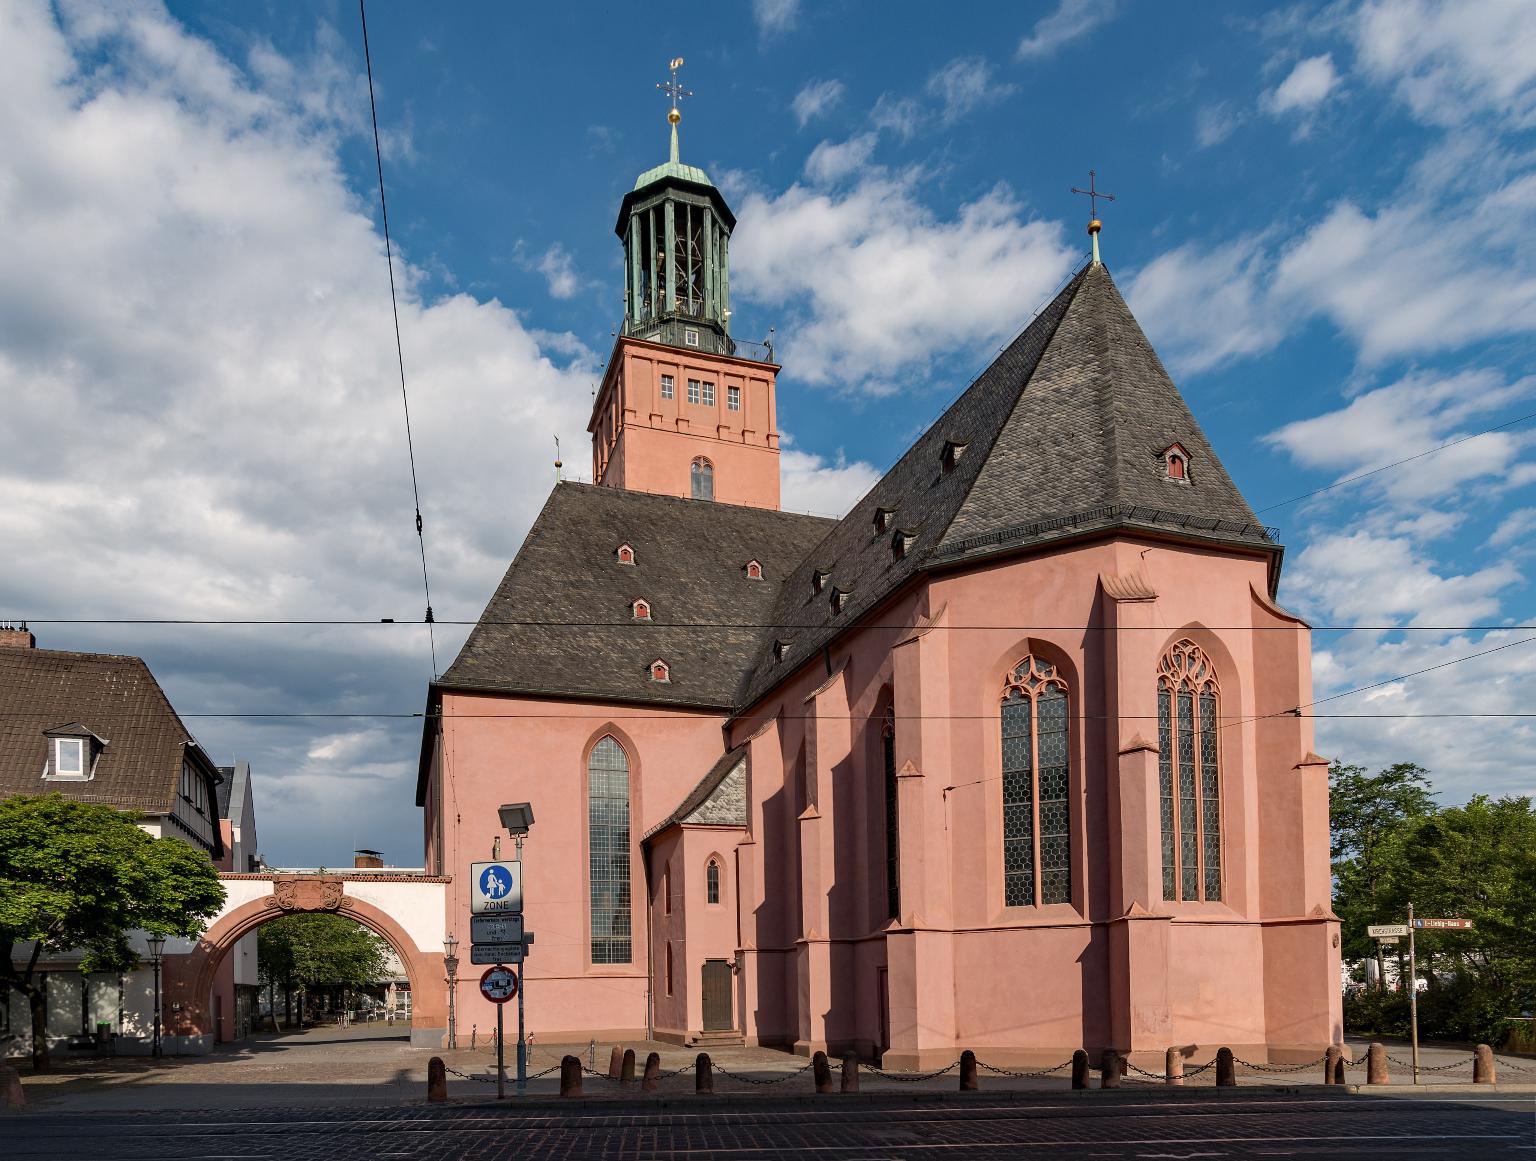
{"x":1044,"y":1072}
{"x":1455,"y":1064}
{"x":1528,"y":1066}
{"x":1129,"y":1067}
{"x":908,"y":1077}
{"x":1280,"y":1069}
{"x":746,"y":1079}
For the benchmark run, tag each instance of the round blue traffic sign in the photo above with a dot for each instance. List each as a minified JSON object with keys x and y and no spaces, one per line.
{"x":495,"y":882}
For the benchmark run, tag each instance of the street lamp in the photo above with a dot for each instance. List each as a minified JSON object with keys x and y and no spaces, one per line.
{"x":156,"y":953}
{"x":517,"y":817}
{"x":451,"y":965}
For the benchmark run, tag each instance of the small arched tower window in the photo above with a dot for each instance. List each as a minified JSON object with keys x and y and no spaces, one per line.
{"x":754,"y":570}
{"x":712,"y":881}
{"x":625,"y":554}
{"x":1037,"y":806}
{"x":1176,"y":464}
{"x":1189,"y":775}
{"x":660,"y":671}
{"x":701,"y":479}
{"x":641,"y":610}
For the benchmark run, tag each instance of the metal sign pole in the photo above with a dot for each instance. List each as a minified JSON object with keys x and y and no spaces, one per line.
{"x":501,"y":1066}
{"x":1413,"y":995}
{"x":522,"y":1044}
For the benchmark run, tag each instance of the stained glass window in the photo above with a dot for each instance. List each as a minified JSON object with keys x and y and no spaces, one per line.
{"x":1037,"y":795}
{"x":608,"y":851}
{"x":1189,"y":778}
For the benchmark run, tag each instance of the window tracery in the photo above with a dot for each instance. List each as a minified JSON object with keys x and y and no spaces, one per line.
{"x":1189,"y":776}
{"x":1037,"y":814}
{"x":701,"y":478}
{"x":608,"y":851}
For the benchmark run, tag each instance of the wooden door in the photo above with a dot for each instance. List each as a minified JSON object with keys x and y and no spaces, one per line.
{"x":716,"y":993}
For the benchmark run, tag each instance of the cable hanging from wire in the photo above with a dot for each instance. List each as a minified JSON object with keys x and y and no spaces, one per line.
{"x":394,"y":306}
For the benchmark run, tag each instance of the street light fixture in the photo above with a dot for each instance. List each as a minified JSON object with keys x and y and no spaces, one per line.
{"x":517,"y":817}
{"x":156,"y":954}
{"x":451,"y":965}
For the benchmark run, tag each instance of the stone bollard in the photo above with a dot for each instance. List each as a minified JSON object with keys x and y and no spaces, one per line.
{"x":1109,"y":1069}
{"x":1226,"y":1068}
{"x":1376,"y":1065}
{"x":570,"y":1076}
{"x":1338,"y":1070}
{"x":850,"y":1073}
{"x":1080,"y":1069}
{"x":437,"y":1080}
{"x":1483,"y":1071}
{"x":11,"y":1092}
{"x":652,"y":1079}
{"x":1173,"y":1066}
{"x":627,"y":1067}
{"x":822,"y":1072}
{"x":615,"y":1062}
{"x":968,"y":1078}
{"x":703,"y":1074}
{"x":1333,"y":1064}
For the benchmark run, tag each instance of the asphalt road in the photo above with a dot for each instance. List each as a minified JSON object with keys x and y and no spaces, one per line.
{"x":1087,"y":1125}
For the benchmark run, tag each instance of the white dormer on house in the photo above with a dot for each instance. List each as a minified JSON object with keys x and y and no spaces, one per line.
{"x":72,"y":753}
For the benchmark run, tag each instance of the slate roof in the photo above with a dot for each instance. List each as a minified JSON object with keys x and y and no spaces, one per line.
{"x":114,"y":697}
{"x":1061,"y":435}
{"x":690,"y":558}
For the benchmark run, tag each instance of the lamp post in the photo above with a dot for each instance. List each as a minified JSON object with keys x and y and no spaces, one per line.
{"x":451,"y":965}
{"x":517,"y":817}
{"x":156,"y":952}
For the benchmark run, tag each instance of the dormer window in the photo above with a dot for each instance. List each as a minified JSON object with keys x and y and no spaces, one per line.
{"x":625,"y":554}
{"x":903,"y":540}
{"x":1175,"y":464}
{"x":69,"y":757}
{"x":953,"y":450}
{"x":884,"y":518}
{"x":754,"y":570}
{"x":660,"y":672}
{"x":641,"y":610}
{"x":840,"y":599}
{"x":781,"y":648}
{"x":72,"y":753}
{"x":819,"y":579}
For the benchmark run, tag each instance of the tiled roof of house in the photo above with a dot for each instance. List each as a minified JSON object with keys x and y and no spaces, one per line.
{"x":560,"y":623}
{"x":114,"y":697}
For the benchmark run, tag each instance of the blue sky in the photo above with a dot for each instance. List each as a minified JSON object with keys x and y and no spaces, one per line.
{"x":1323,"y":222}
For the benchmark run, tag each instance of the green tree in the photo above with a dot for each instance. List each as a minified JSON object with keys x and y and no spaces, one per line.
{"x":302,"y":952}
{"x":79,"y":875}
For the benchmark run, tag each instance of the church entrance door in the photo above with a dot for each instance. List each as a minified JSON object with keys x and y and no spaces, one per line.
{"x":716,"y":993}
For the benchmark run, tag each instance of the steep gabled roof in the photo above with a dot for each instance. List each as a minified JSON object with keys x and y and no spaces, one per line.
{"x":1061,"y":435}
{"x":560,"y":622}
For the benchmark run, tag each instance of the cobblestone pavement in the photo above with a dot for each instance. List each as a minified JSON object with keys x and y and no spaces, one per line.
{"x":1193,"y":1123}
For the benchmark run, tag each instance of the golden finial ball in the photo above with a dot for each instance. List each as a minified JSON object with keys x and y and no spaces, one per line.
{"x":674,"y":116}
{"x":1095,"y":226}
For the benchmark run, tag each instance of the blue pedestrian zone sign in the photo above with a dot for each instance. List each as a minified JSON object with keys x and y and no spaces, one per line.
{"x":495,"y":887}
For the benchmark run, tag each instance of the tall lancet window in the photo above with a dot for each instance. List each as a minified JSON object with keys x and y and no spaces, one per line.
{"x":892,"y":821}
{"x":608,"y":851}
{"x":1037,"y":814}
{"x":701,"y":478}
{"x":1188,"y":773}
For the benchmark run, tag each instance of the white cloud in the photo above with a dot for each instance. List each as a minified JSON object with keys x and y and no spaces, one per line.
{"x":1215,"y":123}
{"x":1072,"y":20}
{"x":1452,"y":62}
{"x":1203,"y":306}
{"x":810,"y":483}
{"x":559,"y":271}
{"x":1515,"y":528}
{"x":1307,"y":86}
{"x":775,"y":17}
{"x":890,"y":285}
{"x":816,"y":98}
{"x":965,"y":83}
{"x":832,"y":161}
{"x":898,"y":115}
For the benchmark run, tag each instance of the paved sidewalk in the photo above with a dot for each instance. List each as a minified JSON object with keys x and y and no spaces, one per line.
{"x":374,"y":1065}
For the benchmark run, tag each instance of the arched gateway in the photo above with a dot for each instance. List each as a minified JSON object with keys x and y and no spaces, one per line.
{"x":405,"y":910}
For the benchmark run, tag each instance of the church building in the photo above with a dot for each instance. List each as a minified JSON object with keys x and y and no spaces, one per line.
{"x":1001,"y":760}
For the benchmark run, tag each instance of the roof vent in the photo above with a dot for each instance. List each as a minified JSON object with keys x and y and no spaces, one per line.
{"x":640,"y":610}
{"x":625,"y":554}
{"x":660,"y":672}
{"x":754,"y":570}
{"x":1175,"y":463}
{"x":953,"y":450}
{"x":840,"y":599}
{"x":819,"y":579}
{"x":903,"y":540}
{"x":781,"y":648}
{"x":884,"y":518}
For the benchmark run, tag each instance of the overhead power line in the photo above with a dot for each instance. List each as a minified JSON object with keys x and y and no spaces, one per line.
{"x":394,"y":306}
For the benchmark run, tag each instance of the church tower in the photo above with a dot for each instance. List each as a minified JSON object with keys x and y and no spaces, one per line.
{"x":680,"y":411}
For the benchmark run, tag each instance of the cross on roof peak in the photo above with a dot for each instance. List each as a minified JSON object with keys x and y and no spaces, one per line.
{"x":1093,"y":194}
{"x":675,"y":92}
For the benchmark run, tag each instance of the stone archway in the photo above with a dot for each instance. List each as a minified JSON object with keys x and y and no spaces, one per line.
{"x":191,"y":982}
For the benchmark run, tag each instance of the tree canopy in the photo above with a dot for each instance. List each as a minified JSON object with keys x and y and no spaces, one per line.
{"x":316,"y":949}
{"x":78,"y":875}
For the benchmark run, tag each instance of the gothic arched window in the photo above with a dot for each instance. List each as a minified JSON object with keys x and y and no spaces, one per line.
{"x":1188,"y":775}
{"x":712,"y":881}
{"x":892,"y":821}
{"x":701,"y":476}
{"x":608,"y":851}
{"x":1037,"y":814}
